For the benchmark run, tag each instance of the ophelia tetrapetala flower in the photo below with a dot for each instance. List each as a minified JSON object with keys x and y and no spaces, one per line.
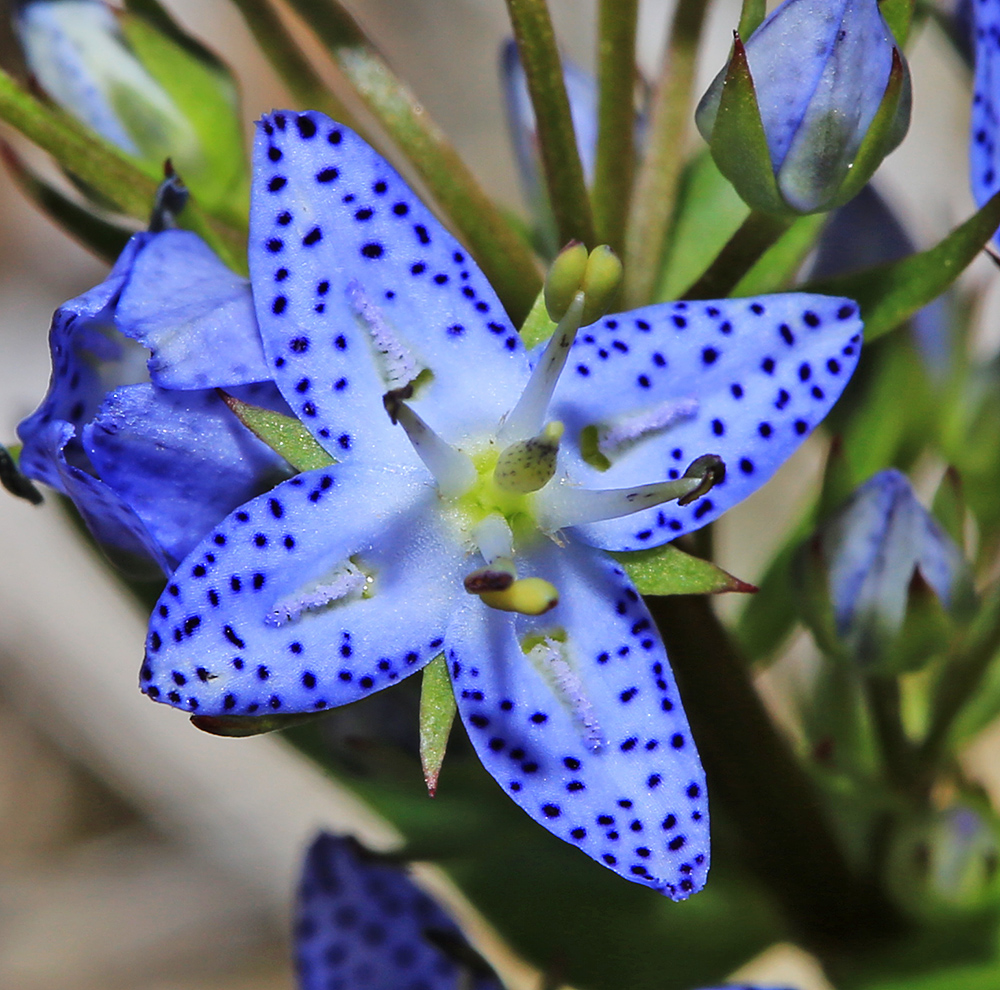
{"x":362,"y":922}
{"x":473,"y":483}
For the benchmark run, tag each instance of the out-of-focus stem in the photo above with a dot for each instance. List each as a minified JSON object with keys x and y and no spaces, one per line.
{"x":614,"y":164}
{"x":287,"y":59}
{"x":536,"y":43}
{"x":897,"y":750}
{"x":655,"y":191}
{"x":505,"y":258}
{"x":754,"y":774}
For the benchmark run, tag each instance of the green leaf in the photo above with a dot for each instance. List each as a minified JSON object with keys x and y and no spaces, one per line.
{"x":209,"y":149}
{"x":709,"y":212}
{"x":669,"y":571}
{"x":437,"y":713}
{"x":241,"y":726}
{"x":739,"y":145}
{"x":898,"y":15}
{"x":105,"y":239}
{"x":891,"y":293}
{"x":751,"y":16}
{"x":281,"y":433}
{"x":778,"y":265}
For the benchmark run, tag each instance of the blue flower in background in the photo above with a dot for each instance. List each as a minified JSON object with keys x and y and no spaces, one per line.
{"x":361,"y":922}
{"x":131,"y":429}
{"x":473,"y":482}
{"x":984,"y":125}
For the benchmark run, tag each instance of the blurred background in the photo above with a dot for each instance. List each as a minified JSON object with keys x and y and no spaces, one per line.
{"x":135,"y":852}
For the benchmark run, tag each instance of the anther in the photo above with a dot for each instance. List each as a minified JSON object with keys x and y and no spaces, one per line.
{"x":528,"y":596}
{"x":528,"y":465}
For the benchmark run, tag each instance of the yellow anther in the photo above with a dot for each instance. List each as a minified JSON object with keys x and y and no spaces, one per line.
{"x":529,"y":596}
{"x":528,"y":465}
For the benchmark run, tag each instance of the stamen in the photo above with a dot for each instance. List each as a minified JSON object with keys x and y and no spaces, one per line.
{"x":453,"y":469}
{"x":498,"y":576}
{"x":526,"y":418}
{"x":617,"y":436}
{"x":528,"y":465}
{"x":528,"y":596}
{"x":348,"y":580}
{"x":396,"y":361}
{"x":563,"y":505}
{"x":549,"y":659}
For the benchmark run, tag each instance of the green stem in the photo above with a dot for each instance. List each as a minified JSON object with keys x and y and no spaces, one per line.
{"x":961,"y":678}
{"x":286,"y":57}
{"x":567,"y":189}
{"x":656,"y":184}
{"x":753,"y":773}
{"x":614,"y":164}
{"x":756,"y":234}
{"x":124,"y":183}
{"x":897,"y":750}
{"x":505,"y":258}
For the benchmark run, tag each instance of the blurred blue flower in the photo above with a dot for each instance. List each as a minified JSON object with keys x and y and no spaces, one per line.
{"x":879,"y":556}
{"x":820,"y":70}
{"x":362,"y":924}
{"x":473,"y":482}
{"x":131,"y":429}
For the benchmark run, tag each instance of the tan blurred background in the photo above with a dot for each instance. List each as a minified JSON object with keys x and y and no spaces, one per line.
{"x":136,"y":853}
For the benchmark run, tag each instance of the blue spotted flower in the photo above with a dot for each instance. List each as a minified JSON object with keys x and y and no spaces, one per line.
{"x":131,"y":429}
{"x":361,"y":922}
{"x":985,"y":124}
{"x":472,"y":484}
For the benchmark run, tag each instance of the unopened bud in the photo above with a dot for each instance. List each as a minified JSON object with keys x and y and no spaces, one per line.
{"x":565,"y":279}
{"x":601,"y":282}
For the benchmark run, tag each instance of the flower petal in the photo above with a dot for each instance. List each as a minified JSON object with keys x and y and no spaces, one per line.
{"x":88,"y":357}
{"x":591,"y":739}
{"x":985,"y":122}
{"x":358,"y":288}
{"x":193,"y":313}
{"x":181,"y":460}
{"x":335,"y":584}
{"x":746,"y":379}
{"x":363,"y":923}
{"x":113,"y":523}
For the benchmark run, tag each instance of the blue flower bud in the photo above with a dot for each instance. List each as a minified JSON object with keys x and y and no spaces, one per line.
{"x":820,"y":71}
{"x":945,"y":861}
{"x":882,"y":580}
{"x":132,"y":430}
{"x":153,"y":93}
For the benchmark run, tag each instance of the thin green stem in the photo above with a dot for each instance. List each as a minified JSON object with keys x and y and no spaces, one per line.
{"x":126,"y":184}
{"x":753,"y":773}
{"x":962,"y":675}
{"x":614,"y":164}
{"x":656,"y":184}
{"x":897,"y":750}
{"x":506,"y":259}
{"x":286,"y":57}
{"x":756,"y":234}
{"x":536,"y":43}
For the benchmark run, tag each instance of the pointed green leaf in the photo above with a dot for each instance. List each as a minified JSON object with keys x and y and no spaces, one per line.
{"x":949,"y":506}
{"x":898,"y":15}
{"x":669,"y":571}
{"x":437,"y":713}
{"x":777,"y":266}
{"x":283,"y":434}
{"x":891,"y":293}
{"x":738,"y":144}
{"x":241,"y":726}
